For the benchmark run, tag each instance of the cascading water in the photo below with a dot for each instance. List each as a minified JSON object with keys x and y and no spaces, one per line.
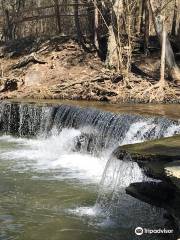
{"x":56,"y":152}
{"x":112,"y":202}
{"x":62,"y":131}
{"x":72,"y":143}
{"x":117,"y":175}
{"x":30,"y":120}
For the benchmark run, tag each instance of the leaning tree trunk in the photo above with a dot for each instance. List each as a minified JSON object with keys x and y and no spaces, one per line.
{"x":170,"y":59}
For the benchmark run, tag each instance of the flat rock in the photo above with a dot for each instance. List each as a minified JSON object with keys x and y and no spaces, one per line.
{"x":172,"y":171}
{"x":153,"y":156}
{"x":162,"y":149}
{"x":159,"y":194}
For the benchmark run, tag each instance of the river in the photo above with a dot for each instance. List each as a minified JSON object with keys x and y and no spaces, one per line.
{"x":58,"y":179}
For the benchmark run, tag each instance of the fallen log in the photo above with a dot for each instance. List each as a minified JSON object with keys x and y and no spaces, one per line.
{"x":27,"y":59}
{"x":97,"y":79}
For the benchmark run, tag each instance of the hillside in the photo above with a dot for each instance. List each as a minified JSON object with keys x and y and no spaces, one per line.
{"x":59,"y":68}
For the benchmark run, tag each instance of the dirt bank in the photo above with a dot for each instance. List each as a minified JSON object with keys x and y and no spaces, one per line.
{"x":56,"y":69}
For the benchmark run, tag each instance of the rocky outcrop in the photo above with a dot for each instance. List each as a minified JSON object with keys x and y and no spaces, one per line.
{"x":161,"y":149}
{"x":160,"y":194}
{"x":153,"y":156}
{"x":159,"y":159}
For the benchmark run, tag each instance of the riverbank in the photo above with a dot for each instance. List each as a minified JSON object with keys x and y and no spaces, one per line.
{"x":61,"y":69}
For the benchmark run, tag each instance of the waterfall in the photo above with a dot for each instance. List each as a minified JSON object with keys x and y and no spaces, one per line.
{"x":77,"y":143}
{"x":113,"y":206}
{"x":117,"y":175}
{"x":99,"y":130}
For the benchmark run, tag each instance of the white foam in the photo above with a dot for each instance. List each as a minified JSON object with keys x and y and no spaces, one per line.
{"x":10,"y":139}
{"x":85,"y":211}
{"x":132,"y":135}
{"x":172,"y":130}
{"x":55,"y":152}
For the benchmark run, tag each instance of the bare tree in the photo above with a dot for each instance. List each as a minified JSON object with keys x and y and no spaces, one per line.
{"x":170,"y":59}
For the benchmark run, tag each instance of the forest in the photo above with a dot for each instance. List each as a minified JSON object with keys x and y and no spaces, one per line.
{"x":114,"y":50}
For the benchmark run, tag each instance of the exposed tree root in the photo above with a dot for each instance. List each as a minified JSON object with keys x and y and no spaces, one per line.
{"x":158,"y":92}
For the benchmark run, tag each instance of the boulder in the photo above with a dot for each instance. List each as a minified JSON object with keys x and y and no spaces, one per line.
{"x":159,"y":159}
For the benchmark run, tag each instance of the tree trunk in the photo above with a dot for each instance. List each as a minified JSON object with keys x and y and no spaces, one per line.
{"x":163,"y":55}
{"x":147,"y":23}
{"x":178,"y":37}
{"x":142,"y":16}
{"x":57,"y":15}
{"x":173,"y":31}
{"x":9,"y":32}
{"x":170,"y":59}
{"x":96,"y":25}
{"x":77,"y":24}
{"x":113,"y":54}
{"x":76,"y":18}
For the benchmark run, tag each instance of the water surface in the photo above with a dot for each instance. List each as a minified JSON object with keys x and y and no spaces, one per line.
{"x":49,"y":193}
{"x":51,"y":190}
